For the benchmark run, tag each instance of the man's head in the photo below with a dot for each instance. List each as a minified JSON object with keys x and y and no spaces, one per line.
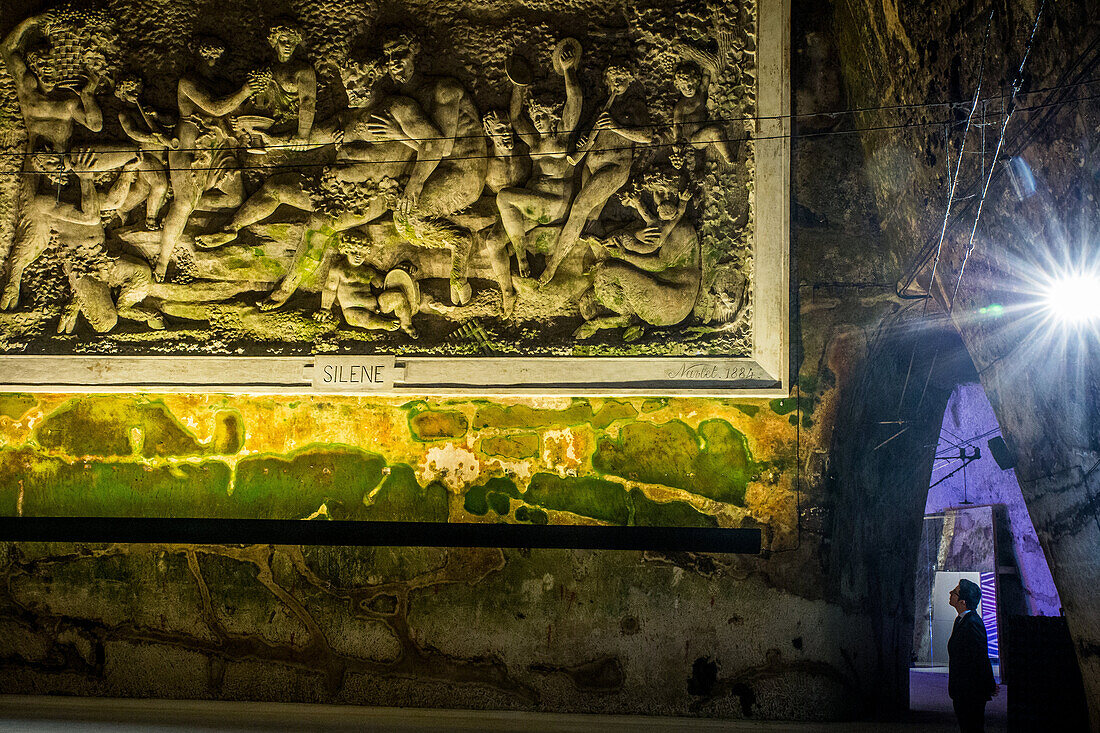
{"x":664,"y":187}
{"x":401,"y":51}
{"x":545,"y":113}
{"x":284,"y":38}
{"x":128,"y":88}
{"x":618,"y":77}
{"x":209,"y":49}
{"x":42,"y":66}
{"x":965,"y":596}
{"x":359,"y":78}
{"x":498,"y":129}
{"x":687,"y":79}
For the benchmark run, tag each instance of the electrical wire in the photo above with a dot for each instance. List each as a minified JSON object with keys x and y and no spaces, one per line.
{"x":947,"y":210}
{"x":1016,"y":84}
{"x":633,"y":146}
{"x":742,"y":118}
{"x":1088,"y":57}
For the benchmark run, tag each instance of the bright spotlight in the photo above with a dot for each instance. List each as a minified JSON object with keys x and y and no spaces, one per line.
{"x":1074,"y":298}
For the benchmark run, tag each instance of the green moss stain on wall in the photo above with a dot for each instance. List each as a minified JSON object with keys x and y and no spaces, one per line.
{"x":713,"y":461}
{"x":532,"y":515}
{"x":15,"y":406}
{"x":402,"y":499}
{"x":511,"y":445}
{"x":298,"y":486}
{"x":476,"y":500}
{"x":749,"y":410}
{"x":606,"y":501}
{"x":578,"y":413}
{"x":38,"y":485}
{"x":611,"y":411}
{"x":117,"y":426}
{"x":427,"y":424}
{"x":537,"y":461}
{"x":584,"y":495}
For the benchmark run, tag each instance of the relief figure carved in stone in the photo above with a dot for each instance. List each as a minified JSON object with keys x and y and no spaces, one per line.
{"x":314,"y":168}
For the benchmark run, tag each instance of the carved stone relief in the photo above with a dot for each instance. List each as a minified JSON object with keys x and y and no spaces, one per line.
{"x":571,"y":179}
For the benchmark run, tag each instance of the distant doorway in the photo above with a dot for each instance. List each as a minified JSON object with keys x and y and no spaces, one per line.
{"x":955,"y":544}
{"x":977,"y":526}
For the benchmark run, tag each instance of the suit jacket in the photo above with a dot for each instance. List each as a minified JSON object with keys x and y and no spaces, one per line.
{"x":970,"y":674}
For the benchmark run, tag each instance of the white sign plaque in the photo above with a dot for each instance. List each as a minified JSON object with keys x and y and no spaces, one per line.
{"x":353,"y":374}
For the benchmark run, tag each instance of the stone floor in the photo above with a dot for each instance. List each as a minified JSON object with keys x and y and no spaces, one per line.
{"x":931,"y":713}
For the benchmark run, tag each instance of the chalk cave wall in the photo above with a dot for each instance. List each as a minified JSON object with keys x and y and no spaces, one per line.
{"x":805,"y":630}
{"x":1040,"y":377}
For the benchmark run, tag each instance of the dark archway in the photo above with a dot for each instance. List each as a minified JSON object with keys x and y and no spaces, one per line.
{"x":880,"y":463}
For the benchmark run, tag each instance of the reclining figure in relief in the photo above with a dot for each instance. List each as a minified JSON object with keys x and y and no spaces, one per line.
{"x":650,"y":273}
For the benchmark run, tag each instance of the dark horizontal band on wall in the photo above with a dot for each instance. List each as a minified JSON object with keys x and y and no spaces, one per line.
{"x":395,"y":534}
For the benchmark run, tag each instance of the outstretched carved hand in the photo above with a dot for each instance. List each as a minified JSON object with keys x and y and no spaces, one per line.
{"x":408,"y":201}
{"x":204,"y":127}
{"x":161,"y":272}
{"x":612,"y":247}
{"x":630,"y":198}
{"x":82,"y":162}
{"x":324,"y":315}
{"x":567,"y":54}
{"x":385,"y":128}
{"x":649,"y":235}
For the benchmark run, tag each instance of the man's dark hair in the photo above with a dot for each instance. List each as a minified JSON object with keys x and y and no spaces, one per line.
{"x":970,"y":594}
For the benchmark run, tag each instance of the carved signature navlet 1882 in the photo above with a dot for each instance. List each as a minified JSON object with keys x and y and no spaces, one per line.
{"x":566,"y":179}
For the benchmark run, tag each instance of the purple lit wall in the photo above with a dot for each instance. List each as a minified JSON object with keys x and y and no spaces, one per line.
{"x":969,"y":421}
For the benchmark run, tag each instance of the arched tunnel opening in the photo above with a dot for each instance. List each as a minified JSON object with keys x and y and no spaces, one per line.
{"x":926,"y":494}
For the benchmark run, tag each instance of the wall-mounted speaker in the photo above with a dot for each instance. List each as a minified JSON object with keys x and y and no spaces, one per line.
{"x":1001,"y":454}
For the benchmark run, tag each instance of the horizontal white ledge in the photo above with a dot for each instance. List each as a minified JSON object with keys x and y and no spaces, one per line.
{"x":701,"y":376}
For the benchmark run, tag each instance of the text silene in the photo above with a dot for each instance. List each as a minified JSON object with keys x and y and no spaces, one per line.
{"x":353,"y":374}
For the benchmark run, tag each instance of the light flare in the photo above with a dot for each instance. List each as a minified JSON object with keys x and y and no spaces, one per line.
{"x":1074,"y":298}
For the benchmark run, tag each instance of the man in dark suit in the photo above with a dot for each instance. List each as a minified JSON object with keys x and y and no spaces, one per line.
{"x":970,"y":675}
